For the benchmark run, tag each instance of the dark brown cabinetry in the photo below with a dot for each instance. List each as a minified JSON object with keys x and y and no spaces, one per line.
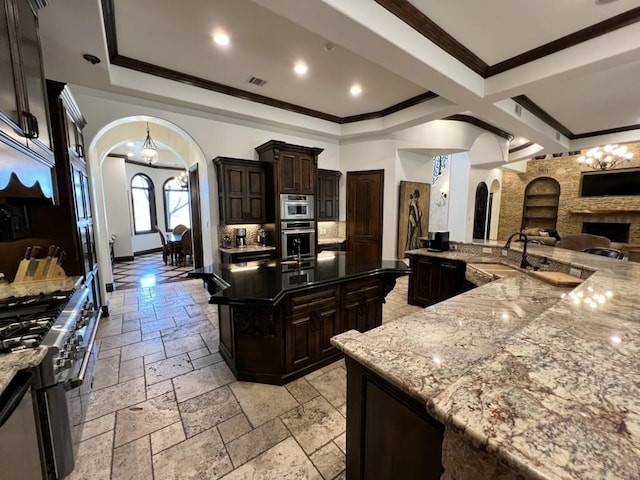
{"x":295,"y":166}
{"x":330,"y":247}
{"x":248,"y":256}
{"x":434,"y":279}
{"x":362,"y":305}
{"x":328,"y":201}
{"x":311,"y":320}
{"x":24,"y":121}
{"x":242,"y":191}
{"x":72,"y":218}
{"x":389,"y":434}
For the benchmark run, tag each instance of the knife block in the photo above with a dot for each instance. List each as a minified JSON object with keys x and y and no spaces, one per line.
{"x":55,"y":271}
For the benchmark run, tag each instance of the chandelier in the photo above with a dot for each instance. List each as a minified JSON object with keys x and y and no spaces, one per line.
{"x":149,"y":149}
{"x":604,"y":158}
{"x":183,"y":178}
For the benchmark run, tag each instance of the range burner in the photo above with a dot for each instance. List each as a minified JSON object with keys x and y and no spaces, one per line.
{"x":24,"y":321}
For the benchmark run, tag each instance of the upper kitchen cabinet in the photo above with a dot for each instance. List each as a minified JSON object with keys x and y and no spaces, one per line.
{"x":328,"y":195}
{"x":24,"y":120}
{"x":295,"y":166}
{"x":242,"y":191}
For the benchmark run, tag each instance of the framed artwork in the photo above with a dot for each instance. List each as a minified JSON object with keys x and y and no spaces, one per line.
{"x":413,"y":218}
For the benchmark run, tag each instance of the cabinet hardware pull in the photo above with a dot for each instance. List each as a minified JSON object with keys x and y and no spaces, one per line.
{"x":31,"y":129}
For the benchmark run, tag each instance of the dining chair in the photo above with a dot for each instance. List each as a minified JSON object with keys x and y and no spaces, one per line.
{"x":179,"y":229}
{"x":165,"y":248}
{"x":605,"y":252}
{"x":185,"y":249}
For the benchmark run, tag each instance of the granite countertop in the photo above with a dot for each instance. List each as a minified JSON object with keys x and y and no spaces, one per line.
{"x":266,"y":282}
{"x":35,"y":288}
{"x":248,"y":248}
{"x":329,"y":240}
{"x":537,"y":375}
{"x":12,"y":363}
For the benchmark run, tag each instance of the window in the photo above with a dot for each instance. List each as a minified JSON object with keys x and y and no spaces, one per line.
{"x":144,"y":204}
{"x":176,"y":203}
{"x":439,"y":165}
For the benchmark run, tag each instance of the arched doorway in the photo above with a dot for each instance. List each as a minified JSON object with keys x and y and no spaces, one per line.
{"x":480,"y":211}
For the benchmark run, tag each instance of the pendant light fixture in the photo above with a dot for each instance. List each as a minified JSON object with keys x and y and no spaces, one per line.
{"x":149,"y":149}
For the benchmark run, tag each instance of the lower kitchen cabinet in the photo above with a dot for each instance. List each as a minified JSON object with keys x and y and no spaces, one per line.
{"x":434,"y":279}
{"x":389,"y":434}
{"x":330,"y":247}
{"x":362,"y":305}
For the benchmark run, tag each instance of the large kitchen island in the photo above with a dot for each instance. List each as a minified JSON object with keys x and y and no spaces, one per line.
{"x":516,"y":379}
{"x":277,"y":318}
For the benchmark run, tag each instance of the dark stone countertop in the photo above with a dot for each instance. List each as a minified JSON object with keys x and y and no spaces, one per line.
{"x":266,"y":282}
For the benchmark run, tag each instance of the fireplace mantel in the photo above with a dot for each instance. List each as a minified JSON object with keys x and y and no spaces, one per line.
{"x":605,"y":211}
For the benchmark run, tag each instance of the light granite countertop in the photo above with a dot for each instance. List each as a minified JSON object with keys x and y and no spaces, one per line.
{"x":546,"y":379}
{"x":329,"y":240}
{"x":35,"y":288}
{"x":12,"y":363}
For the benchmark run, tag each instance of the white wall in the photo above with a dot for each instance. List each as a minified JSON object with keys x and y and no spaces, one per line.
{"x":459,"y":207}
{"x":117,"y":205}
{"x":438,"y":205}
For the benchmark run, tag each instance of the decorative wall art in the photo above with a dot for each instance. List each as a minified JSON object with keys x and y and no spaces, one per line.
{"x":413,"y":219}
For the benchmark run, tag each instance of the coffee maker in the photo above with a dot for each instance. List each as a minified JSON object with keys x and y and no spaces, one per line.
{"x":262,"y":237}
{"x":241,"y":237}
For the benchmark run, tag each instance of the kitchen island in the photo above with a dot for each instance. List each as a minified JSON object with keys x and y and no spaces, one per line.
{"x":277,"y":318}
{"x":516,"y":379}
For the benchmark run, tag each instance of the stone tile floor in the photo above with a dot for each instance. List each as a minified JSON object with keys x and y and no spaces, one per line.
{"x":147,"y":271}
{"x":166,"y":406}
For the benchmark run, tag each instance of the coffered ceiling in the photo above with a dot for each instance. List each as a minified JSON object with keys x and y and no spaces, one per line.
{"x":575,"y":65}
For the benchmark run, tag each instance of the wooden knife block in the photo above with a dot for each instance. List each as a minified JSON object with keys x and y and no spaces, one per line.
{"x":55,"y":271}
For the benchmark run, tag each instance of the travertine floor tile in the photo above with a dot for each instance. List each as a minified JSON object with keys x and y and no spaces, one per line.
{"x":159,"y":388}
{"x":167,"y":369}
{"x":203,"y":380}
{"x":167,"y":437}
{"x":341,"y":442}
{"x":146,"y":417}
{"x":115,"y":398}
{"x":131,"y":369}
{"x":332,"y":386}
{"x":261,"y":403}
{"x":207,"y":410}
{"x":157,"y":325}
{"x":120,"y":340}
{"x":255,"y":442}
{"x":205,"y":361}
{"x":106,"y":373}
{"x":285,"y":461}
{"x":199,"y":457}
{"x":302,"y":390}
{"x":98,"y":426}
{"x":110,"y":326}
{"x":329,"y":461}
{"x":234,"y":428}
{"x":133,"y":460}
{"x":94,"y":459}
{"x":183,"y":345}
{"x":314,"y":424}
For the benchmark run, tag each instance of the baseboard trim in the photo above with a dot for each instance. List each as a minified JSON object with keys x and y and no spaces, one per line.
{"x":145,"y":252}
{"x":124,"y":259}
{"x":105,"y":310}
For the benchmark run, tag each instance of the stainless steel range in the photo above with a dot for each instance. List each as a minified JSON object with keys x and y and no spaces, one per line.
{"x":66,"y":323}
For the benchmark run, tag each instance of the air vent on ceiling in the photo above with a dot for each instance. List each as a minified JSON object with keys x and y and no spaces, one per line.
{"x":256,"y":81}
{"x":540,"y":157}
{"x":556,"y":155}
{"x":518,"y":110}
{"x":558,"y":136}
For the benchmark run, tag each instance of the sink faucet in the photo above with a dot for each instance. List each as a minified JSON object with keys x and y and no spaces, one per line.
{"x":524,"y":263}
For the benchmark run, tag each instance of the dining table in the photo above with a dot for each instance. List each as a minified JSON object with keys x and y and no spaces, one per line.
{"x":174,"y":241}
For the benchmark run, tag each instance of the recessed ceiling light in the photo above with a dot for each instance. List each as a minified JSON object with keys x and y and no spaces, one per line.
{"x":130,"y":154}
{"x":221,"y":39}
{"x":129,"y":144}
{"x":355,"y":90}
{"x":300,"y":68}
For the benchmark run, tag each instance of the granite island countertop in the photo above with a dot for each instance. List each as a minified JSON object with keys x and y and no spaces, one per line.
{"x":542,"y":379}
{"x":12,"y":363}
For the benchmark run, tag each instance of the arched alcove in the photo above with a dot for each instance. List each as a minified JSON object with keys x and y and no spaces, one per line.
{"x":541,"y":199}
{"x":480,"y":211}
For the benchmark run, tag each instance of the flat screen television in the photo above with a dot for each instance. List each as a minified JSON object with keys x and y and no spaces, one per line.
{"x":614,"y":182}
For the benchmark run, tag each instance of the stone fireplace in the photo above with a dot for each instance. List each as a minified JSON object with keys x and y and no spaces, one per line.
{"x":614,"y":231}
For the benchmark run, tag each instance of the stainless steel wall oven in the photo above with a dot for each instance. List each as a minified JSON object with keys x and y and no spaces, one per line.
{"x":298,"y":237}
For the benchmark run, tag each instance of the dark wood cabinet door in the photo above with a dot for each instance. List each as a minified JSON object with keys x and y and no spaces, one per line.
{"x":300,"y":341}
{"x":9,"y":116}
{"x":255,"y":194}
{"x":327,"y":325}
{"x":423,"y":282}
{"x":328,"y":195}
{"x":287,"y":168}
{"x":241,"y":191}
{"x":450,"y":279}
{"x":361,"y":305}
{"x":305,"y":173}
{"x":365,"y":192}
{"x":33,"y":75}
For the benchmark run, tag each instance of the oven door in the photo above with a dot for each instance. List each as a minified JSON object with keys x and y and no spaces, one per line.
{"x":296,"y":207}
{"x":307,"y":239}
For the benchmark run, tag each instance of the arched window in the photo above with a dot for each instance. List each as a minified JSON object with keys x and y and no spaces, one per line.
{"x":144,"y":204}
{"x":176,"y":203}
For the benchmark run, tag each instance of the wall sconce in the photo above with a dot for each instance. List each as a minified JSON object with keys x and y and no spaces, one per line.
{"x":443,"y":194}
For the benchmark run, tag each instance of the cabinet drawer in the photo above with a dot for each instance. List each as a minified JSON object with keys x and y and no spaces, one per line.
{"x":312,"y":300}
{"x":364,"y":289}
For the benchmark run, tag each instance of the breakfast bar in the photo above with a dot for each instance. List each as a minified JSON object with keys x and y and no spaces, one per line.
{"x":515,"y":379}
{"x":277,"y":318}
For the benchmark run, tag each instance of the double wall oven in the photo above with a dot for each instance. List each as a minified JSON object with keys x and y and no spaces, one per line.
{"x":297,"y":227}
{"x":43,"y":409}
